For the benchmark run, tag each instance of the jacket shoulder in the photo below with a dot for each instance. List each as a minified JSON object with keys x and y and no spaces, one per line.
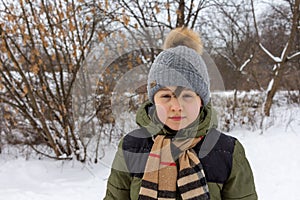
{"x":136,"y":140}
{"x":136,"y":146}
{"x":216,"y":155}
{"x":240,"y":183}
{"x":215,"y":140}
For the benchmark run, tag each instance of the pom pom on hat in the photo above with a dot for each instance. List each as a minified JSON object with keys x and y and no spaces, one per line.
{"x":184,"y":37}
{"x":180,"y":64}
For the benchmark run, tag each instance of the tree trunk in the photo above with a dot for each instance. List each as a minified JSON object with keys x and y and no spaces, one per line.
{"x":180,"y":14}
{"x":284,"y":57}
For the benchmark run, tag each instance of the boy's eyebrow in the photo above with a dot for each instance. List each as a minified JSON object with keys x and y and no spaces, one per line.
{"x":178,"y":90}
{"x":167,"y":89}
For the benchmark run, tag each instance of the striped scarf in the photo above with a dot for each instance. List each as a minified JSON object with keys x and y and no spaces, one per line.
{"x":162,"y":177}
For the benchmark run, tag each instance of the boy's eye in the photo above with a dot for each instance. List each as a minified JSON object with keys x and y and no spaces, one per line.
{"x":166,"y":96}
{"x":187,"y":96}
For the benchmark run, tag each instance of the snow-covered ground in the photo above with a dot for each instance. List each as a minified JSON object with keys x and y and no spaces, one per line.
{"x":274,"y":157}
{"x":35,"y":179}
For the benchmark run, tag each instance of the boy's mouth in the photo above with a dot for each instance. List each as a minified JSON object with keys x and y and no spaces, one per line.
{"x":177,"y":118}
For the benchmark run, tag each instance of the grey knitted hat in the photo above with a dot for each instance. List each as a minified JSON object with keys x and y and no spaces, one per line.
{"x":179,"y":66}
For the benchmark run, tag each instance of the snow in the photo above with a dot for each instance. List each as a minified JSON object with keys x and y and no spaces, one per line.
{"x":273,"y":155}
{"x":294,"y":55}
{"x":274,"y":58}
{"x":35,"y":179}
{"x":246,"y":62}
{"x":270,"y":85}
{"x":274,"y":158}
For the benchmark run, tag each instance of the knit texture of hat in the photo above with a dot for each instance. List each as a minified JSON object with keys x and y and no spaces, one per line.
{"x":179,"y":66}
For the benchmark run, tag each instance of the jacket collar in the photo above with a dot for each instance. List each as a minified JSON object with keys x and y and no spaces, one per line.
{"x":146,"y":117}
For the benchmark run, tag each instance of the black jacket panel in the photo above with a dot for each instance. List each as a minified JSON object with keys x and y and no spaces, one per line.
{"x":217,"y":163}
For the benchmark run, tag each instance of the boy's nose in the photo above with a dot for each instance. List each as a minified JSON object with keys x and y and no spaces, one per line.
{"x":175,"y":105}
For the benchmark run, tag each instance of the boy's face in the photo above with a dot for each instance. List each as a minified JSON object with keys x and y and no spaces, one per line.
{"x":177,"y":107}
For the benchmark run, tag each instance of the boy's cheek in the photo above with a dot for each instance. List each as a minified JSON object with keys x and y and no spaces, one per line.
{"x":161,"y":113}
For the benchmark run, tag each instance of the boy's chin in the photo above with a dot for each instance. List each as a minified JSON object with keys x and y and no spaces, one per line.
{"x":175,"y":128}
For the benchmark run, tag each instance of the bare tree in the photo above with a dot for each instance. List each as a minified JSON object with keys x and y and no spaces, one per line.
{"x":288,"y":53}
{"x":229,"y":35}
{"x":43,"y":46}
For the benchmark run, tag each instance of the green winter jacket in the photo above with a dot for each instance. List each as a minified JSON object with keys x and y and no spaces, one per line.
{"x":227,"y":170}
